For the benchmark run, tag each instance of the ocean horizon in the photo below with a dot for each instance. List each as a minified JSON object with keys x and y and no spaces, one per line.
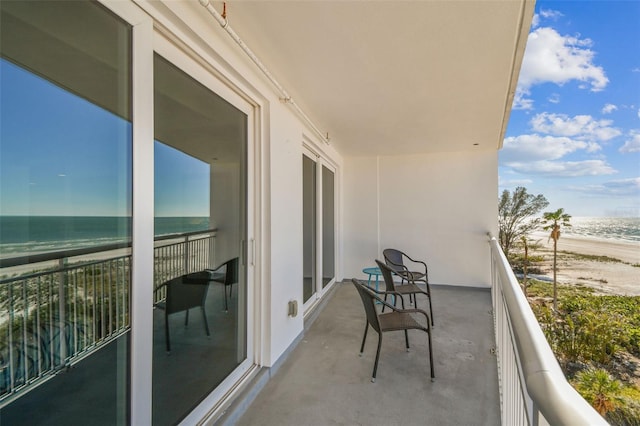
{"x":21,"y":235}
{"x":35,"y":234}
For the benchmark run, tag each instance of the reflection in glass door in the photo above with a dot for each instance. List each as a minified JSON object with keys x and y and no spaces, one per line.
{"x":65,"y":194}
{"x":200,"y":320}
{"x":308,"y":227}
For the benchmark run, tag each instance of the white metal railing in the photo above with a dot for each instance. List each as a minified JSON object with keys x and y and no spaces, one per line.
{"x":69,"y":306}
{"x":533,"y":389}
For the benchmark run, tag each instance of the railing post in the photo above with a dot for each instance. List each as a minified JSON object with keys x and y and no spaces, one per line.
{"x":186,"y":254}
{"x":62,"y":309}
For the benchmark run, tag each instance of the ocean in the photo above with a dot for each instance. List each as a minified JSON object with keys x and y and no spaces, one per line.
{"x":608,"y":228}
{"x":21,"y":235}
{"x":34,"y":234}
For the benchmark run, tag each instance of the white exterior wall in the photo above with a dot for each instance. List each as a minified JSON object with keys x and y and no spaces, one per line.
{"x":434,"y":207}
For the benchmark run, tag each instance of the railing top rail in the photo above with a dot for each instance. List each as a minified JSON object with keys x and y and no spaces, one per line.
{"x":57,"y":255}
{"x":554,"y":397}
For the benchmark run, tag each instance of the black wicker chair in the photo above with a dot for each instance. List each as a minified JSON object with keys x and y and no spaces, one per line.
{"x":397,"y":261}
{"x":229,"y":277}
{"x":182,"y":296}
{"x":396,"y":320}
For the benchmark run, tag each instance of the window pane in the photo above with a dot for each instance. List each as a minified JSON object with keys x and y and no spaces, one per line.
{"x":308,"y":227}
{"x":200,"y":223}
{"x":328,"y":229}
{"x":65,"y":200}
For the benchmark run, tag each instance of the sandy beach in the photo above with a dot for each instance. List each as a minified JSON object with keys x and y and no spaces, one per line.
{"x":621,"y":278}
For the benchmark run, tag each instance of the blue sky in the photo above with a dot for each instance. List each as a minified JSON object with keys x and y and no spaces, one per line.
{"x":61,"y":155}
{"x":574,"y":130}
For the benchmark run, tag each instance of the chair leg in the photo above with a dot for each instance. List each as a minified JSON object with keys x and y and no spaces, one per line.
{"x":375,"y":365}
{"x":430,"y":307}
{"x":206,"y":324}
{"x":385,"y":299}
{"x":166,"y":331}
{"x":186,"y":318}
{"x":433,"y":375}
{"x":226,"y":304}
{"x":364,"y":338}
{"x":406,"y":339}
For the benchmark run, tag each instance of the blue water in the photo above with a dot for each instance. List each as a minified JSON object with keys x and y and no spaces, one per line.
{"x":610,"y":228}
{"x":31,"y":234}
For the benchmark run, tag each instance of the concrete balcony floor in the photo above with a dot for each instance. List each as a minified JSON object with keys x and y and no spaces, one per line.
{"x":325,"y":382}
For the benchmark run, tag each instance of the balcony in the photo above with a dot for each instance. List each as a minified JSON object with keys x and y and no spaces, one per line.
{"x":325,"y":381}
{"x":492,"y":363}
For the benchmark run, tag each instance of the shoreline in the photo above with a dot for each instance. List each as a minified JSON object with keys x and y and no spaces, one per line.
{"x":606,"y":277}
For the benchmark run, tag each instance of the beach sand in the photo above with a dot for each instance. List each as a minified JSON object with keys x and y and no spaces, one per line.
{"x":620,"y":278}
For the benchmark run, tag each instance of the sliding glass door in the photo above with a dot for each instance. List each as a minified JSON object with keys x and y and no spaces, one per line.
{"x":309,"y":229}
{"x":318,"y":219}
{"x":328,"y":226}
{"x":200,"y":320}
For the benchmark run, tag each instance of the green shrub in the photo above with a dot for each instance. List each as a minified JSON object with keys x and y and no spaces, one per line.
{"x":602,"y":391}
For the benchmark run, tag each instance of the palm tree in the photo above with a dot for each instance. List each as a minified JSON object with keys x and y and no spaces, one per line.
{"x":554,"y":221}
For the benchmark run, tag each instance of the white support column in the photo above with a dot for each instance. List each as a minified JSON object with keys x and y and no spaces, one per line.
{"x":143,"y":214}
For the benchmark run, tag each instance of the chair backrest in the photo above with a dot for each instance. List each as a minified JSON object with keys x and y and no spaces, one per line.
{"x":387,"y":274}
{"x":393,"y":258}
{"x":368,"y":300}
{"x":231,"y":272}
{"x":181,"y":296}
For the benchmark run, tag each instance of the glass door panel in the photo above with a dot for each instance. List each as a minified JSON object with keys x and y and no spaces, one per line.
{"x":65,"y":194}
{"x":308,"y":227}
{"x":328,"y":227}
{"x":200,"y":320}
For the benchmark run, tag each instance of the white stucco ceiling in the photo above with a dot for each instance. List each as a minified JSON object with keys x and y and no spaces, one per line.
{"x":393,"y":77}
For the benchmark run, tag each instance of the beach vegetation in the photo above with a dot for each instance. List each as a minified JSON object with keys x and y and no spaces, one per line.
{"x":601,"y":390}
{"x":596,"y":339}
{"x":591,"y":257}
{"x":516,"y":213}
{"x":554,"y":222}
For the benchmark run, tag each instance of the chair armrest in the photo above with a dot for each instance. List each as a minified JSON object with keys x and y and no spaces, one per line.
{"x":414,"y":311}
{"x":417,"y":261}
{"x":216,"y":269}
{"x":373,"y":292}
{"x":394,"y":293}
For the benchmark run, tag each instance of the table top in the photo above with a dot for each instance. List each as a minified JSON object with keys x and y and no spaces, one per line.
{"x":372,"y":271}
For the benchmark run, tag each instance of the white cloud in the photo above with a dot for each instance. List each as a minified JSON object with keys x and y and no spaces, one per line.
{"x":620,"y":187}
{"x":535,"y":21}
{"x":609,"y":108}
{"x":583,"y":127}
{"x":536,"y":147}
{"x":520,"y":101}
{"x":554,"y":98}
{"x":551,"y":14}
{"x":553,"y":58}
{"x":513,"y":182}
{"x":633,"y":144}
{"x":564,"y":168}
